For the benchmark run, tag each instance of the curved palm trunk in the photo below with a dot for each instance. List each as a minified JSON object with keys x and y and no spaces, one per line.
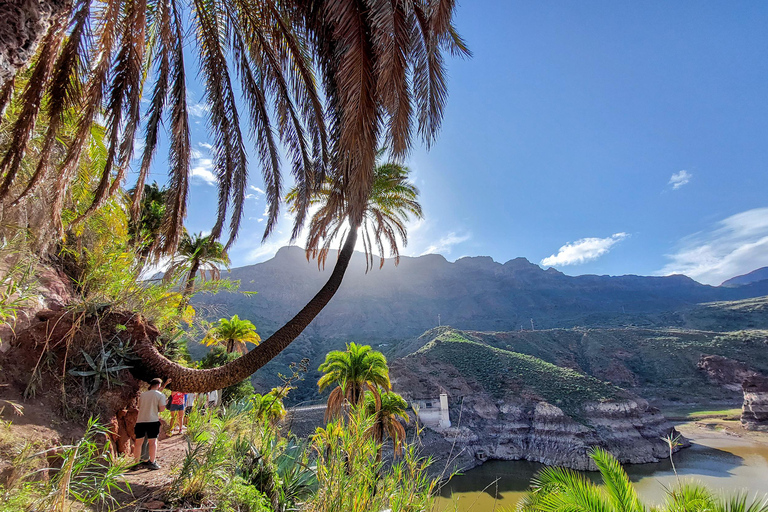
{"x":23,"y":23}
{"x":199,"y":381}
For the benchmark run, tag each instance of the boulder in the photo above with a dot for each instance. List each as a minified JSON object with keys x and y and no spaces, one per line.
{"x":754,"y":412}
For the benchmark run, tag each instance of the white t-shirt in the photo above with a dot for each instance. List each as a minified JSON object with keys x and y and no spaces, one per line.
{"x":150,"y":404}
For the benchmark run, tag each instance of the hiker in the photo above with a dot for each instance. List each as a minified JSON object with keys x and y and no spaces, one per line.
{"x":189,"y":404}
{"x":151,"y":403}
{"x":176,"y":406}
{"x":213,"y":399}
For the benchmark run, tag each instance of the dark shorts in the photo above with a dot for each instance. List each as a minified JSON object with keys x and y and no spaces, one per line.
{"x":150,"y":430}
{"x":176,"y":407}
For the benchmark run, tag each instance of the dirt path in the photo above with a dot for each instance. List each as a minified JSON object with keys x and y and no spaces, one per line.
{"x":149,"y":486}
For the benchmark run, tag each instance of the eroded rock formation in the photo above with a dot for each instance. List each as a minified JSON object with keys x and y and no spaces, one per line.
{"x":527,"y":427}
{"x":725,"y":372}
{"x":754,"y":412}
{"x":541,"y":432}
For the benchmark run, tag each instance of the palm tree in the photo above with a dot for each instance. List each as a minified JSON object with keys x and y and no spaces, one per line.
{"x":269,"y":406}
{"x":564,"y":489}
{"x":392,"y":201}
{"x":145,"y":226}
{"x":233,"y":334}
{"x":198,"y":253}
{"x":381,"y":67}
{"x":393,"y":407}
{"x":353,"y":371}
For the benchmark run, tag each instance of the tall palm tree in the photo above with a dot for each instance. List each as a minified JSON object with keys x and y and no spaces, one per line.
{"x":233,"y":334}
{"x":557,"y":489}
{"x":145,"y":232}
{"x":355,"y":371}
{"x":381,"y":67}
{"x":393,"y":199}
{"x":393,"y":407}
{"x":198,"y":253}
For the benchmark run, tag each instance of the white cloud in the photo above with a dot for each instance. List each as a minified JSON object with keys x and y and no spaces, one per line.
{"x":735,"y":245}
{"x":198,"y":109}
{"x":679,"y":179}
{"x":195,"y":153}
{"x":204,"y":171}
{"x":257,"y":190}
{"x":582,"y":251}
{"x":445,"y":243}
{"x":205,"y":145}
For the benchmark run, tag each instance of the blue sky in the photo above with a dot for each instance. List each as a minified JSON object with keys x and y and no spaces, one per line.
{"x":608,"y":137}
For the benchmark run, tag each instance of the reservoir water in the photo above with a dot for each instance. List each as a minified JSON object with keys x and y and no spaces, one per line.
{"x":722,"y":461}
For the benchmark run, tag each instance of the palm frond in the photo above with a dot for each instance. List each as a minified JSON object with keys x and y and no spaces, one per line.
{"x":620,"y":491}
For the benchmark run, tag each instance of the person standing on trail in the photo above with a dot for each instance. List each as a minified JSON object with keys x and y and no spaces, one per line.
{"x":151,"y":403}
{"x":176,"y":406}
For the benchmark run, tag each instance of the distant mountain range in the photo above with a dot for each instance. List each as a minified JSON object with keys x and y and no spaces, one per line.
{"x":755,"y":276}
{"x":395,"y":303}
{"x":387,"y":306}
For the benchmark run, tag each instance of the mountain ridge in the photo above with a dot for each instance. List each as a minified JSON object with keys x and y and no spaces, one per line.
{"x":386,"y":307}
{"x":757,"y":275}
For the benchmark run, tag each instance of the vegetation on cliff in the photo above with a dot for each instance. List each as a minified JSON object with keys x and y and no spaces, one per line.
{"x":504,"y":374}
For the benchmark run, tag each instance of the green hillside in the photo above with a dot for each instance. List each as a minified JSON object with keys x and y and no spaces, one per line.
{"x":729,"y":315}
{"x":654,"y":363}
{"x":503,"y":373}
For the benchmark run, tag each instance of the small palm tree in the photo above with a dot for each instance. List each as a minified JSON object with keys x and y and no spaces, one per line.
{"x":387,"y":418}
{"x":198,"y":253}
{"x":270,"y":405}
{"x":233,"y":334}
{"x":392,"y":202}
{"x":557,"y":489}
{"x":354,"y":371}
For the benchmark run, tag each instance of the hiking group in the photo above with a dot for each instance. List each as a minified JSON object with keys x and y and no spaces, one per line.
{"x":151,"y":403}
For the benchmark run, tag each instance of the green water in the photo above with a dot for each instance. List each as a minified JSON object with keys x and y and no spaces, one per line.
{"x":727,"y":463}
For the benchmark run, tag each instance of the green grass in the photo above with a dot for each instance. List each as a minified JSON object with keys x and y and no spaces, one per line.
{"x":692,"y":413}
{"x":505,"y":374}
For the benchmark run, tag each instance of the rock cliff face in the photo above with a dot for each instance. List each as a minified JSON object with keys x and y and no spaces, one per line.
{"x":525,"y":408}
{"x":754,"y":412}
{"x":538,"y":431}
{"x":725,"y":372}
